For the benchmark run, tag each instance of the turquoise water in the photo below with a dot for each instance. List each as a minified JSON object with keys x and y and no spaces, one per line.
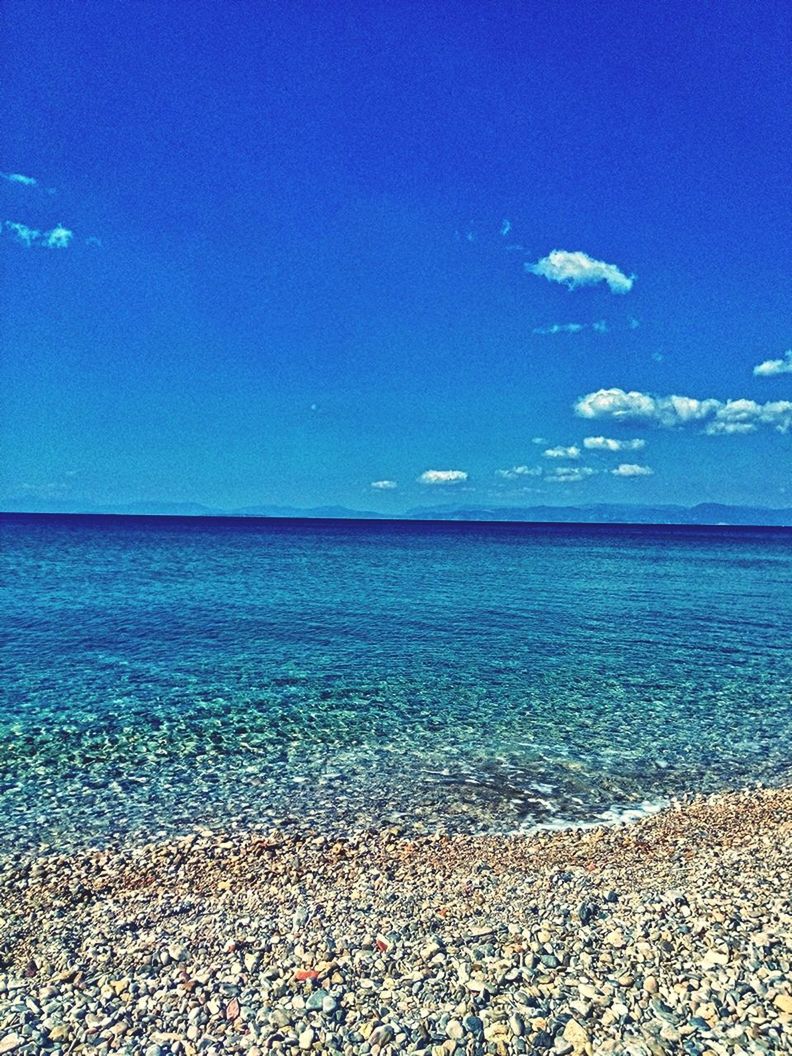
{"x":163,"y":674}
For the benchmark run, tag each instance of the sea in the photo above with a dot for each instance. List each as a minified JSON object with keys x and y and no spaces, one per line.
{"x":166,"y":675}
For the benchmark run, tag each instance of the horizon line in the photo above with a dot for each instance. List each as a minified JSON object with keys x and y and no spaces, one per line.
{"x":407,"y":519}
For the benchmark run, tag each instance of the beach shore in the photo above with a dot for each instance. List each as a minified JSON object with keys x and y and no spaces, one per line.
{"x":668,"y":935}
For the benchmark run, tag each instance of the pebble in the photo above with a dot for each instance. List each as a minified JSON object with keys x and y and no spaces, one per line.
{"x":576,"y":1036}
{"x":455,"y":1030}
{"x":516,"y":1025}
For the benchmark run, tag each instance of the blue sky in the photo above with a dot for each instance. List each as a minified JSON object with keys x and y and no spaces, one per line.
{"x":277,"y":253}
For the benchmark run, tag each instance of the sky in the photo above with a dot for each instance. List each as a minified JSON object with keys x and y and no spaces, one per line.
{"x":395,"y":255}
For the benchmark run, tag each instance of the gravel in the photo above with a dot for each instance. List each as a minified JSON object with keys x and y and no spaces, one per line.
{"x":668,"y":935}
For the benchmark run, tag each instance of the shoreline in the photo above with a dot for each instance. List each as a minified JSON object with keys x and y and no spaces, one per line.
{"x":671,"y":933}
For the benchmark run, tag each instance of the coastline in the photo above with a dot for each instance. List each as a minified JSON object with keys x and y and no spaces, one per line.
{"x":668,"y":934}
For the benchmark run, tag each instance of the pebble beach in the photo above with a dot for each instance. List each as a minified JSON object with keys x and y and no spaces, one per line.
{"x":672,"y":934}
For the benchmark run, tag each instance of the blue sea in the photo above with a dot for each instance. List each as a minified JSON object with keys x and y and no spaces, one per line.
{"x":168,"y":674}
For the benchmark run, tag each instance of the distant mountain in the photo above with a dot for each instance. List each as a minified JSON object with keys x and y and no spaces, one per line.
{"x":602,"y":513}
{"x":611,"y":513}
{"x":715,"y":513}
{"x":335,"y":513}
{"x":24,"y":504}
{"x":186,"y":509}
{"x":162,"y":509}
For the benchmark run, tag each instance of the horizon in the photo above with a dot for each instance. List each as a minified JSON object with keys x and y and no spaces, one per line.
{"x":388,"y":258}
{"x":600,"y":515}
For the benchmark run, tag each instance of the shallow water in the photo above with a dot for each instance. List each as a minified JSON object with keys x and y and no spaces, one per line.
{"x":166,"y":673}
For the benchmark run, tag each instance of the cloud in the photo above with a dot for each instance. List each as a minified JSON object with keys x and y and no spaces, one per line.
{"x":562,"y":452}
{"x":579,"y":269}
{"x":599,"y":327}
{"x":518,"y":472}
{"x":666,"y":411}
{"x":24,"y":234}
{"x":58,"y":238}
{"x":384,"y":485}
{"x":24,"y":181}
{"x":17,"y":177}
{"x":772,"y":367}
{"x":505,"y":228}
{"x":52,"y":489}
{"x":443,"y":476}
{"x":717,"y":417}
{"x":570,"y":474}
{"x":630,"y":469}
{"x":560,"y":328}
{"x":606,"y":443}
{"x":538,"y":440}
{"x":745,"y":416}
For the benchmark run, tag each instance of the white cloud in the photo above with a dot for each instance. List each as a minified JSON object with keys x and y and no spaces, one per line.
{"x":52,"y":489}
{"x":579,"y":269}
{"x":630,"y":469}
{"x":570,"y":474}
{"x":562,"y":452}
{"x":58,"y":238}
{"x":607,"y":443}
{"x":639,"y":406}
{"x":771,"y":367}
{"x":384,"y":485}
{"x":505,"y":227}
{"x":443,"y":476}
{"x":560,"y":328}
{"x":668,"y":412}
{"x":599,"y":327}
{"x":538,"y":440}
{"x":746,"y":416}
{"x":24,"y":234}
{"x":517,"y":472}
{"x":17,"y":177}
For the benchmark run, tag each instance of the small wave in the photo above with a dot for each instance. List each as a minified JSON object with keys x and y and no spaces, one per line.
{"x":613,"y":815}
